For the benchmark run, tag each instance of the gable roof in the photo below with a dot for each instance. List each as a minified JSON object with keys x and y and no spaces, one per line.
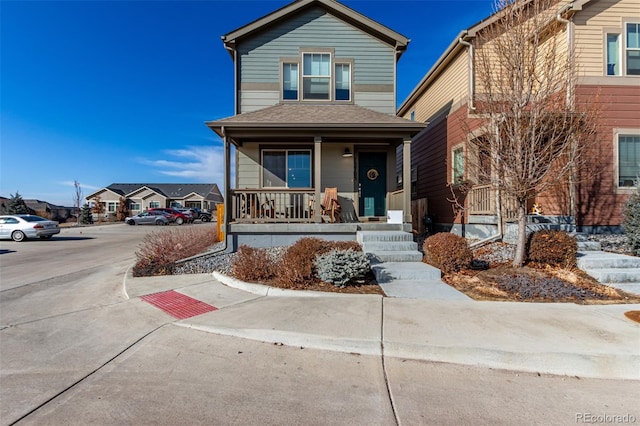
{"x":174,"y":191}
{"x":570,"y":7}
{"x":313,"y":116}
{"x":383,"y":33}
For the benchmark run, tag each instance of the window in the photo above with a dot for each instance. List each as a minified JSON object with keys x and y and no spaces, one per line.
{"x":623,"y":50}
{"x":343,"y":82}
{"x":414,"y":182}
{"x":633,"y":49}
{"x":112,"y":206}
{"x":316,"y":76}
{"x":134,"y":206}
{"x":290,"y":82}
{"x":154,"y":204}
{"x":458,"y":165}
{"x":613,"y":54}
{"x":286,"y":168}
{"x":628,"y":160}
{"x":412,"y":116}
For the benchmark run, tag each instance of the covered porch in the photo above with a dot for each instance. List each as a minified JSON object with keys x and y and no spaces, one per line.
{"x":290,"y":159}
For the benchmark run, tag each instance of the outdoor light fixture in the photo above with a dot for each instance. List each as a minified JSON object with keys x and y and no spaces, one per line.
{"x":347,"y":153}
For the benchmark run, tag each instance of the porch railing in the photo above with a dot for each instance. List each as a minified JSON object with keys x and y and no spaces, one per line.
{"x":272,"y":206}
{"x":482,"y":202}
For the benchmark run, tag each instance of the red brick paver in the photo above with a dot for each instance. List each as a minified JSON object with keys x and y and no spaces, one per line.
{"x":177,"y":304}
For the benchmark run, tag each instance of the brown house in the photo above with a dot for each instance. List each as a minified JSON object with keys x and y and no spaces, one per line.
{"x":602,"y":39}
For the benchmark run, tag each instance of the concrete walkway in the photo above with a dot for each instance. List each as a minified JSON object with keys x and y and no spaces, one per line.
{"x":564,"y":339}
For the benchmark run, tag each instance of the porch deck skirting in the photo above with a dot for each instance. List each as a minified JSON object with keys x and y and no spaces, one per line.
{"x":284,"y":234}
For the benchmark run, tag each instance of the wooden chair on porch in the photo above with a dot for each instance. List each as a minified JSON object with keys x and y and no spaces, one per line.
{"x":330,"y":205}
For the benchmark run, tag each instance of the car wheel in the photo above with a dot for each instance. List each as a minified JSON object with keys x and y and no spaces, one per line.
{"x":131,"y":222}
{"x":206,"y":218}
{"x":45,"y":237}
{"x":18,"y":236}
{"x":179,"y":221}
{"x":160,"y":222}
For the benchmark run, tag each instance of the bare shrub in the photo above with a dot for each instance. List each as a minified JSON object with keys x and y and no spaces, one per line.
{"x":447,"y":252}
{"x":550,"y":247}
{"x":160,"y":250}
{"x":253,"y":264}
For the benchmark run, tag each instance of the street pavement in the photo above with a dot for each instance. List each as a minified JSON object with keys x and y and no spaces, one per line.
{"x":85,"y":348}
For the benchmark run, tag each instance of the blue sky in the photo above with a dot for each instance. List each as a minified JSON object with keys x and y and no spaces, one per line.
{"x":118,"y":91}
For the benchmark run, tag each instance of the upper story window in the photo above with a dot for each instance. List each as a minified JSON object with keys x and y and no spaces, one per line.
{"x":623,"y":51}
{"x":316,"y":76}
{"x":290,"y":81}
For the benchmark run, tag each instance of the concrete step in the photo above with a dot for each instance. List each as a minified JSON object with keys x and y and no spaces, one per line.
{"x":628,"y":287}
{"x":381,"y":246}
{"x":367,"y":236}
{"x":589,"y":246}
{"x":605,"y":260}
{"x":392,"y":271}
{"x":615,"y":275}
{"x":421,"y":289}
{"x":395,"y":256}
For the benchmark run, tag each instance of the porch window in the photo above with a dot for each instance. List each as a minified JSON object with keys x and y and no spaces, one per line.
{"x":286,"y":168}
{"x":458,"y":165}
{"x":628,"y":160}
{"x":316,"y":76}
{"x":290,"y":82}
{"x":343,"y":82}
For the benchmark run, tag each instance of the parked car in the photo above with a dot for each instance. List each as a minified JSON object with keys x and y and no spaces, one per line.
{"x":20,"y":227}
{"x":179,"y":217}
{"x":149,"y":218}
{"x":199,"y":214}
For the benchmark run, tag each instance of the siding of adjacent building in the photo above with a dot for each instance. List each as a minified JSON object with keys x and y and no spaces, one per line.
{"x":260,"y":58}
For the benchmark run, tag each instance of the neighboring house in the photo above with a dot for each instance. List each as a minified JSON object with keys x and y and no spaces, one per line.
{"x":50,"y":211}
{"x":604,"y":43}
{"x":143,"y":196}
{"x":315,"y":102}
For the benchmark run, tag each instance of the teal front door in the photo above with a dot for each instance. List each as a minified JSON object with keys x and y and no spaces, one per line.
{"x":372,"y":183}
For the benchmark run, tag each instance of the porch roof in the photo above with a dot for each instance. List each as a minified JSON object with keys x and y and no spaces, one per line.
{"x":313,"y":117}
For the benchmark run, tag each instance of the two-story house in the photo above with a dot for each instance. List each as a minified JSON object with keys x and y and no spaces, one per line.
{"x":315,"y":103}
{"x":601,"y":39}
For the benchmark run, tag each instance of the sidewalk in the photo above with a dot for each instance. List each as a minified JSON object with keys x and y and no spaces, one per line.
{"x":595,"y":341}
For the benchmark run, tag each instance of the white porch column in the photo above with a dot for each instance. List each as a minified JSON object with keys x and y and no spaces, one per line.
{"x":317,"y":172}
{"x":406,"y":179}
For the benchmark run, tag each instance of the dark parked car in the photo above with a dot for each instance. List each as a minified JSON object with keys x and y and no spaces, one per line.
{"x":199,"y":214}
{"x":19,"y":227}
{"x":179,"y":217}
{"x":149,"y":218}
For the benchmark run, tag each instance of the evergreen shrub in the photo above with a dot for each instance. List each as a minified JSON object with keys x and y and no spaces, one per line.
{"x":338,"y":267}
{"x":631,"y":223}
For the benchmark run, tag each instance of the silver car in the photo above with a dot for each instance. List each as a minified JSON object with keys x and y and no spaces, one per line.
{"x":155,"y":217}
{"x":19,"y":227}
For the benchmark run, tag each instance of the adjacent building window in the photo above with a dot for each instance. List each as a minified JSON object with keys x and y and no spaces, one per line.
{"x":290,"y":82}
{"x":343,"y":82}
{"x":623,"y":50}
{"x":112,"y":206}
{"x":628,"y":160}
{"x":633,"y":48}
{"x":458,"y":165}
{"x":286,"y":168}
{"x":134,"y":206}
{"x":154,"y":204}
{"x":316,"y":76}
{"x":613,"y":54}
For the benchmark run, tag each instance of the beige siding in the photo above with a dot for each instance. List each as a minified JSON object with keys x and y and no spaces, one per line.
{"x":248,"y":166}
{"x":592,"y":23}
{"x":450,"y":87}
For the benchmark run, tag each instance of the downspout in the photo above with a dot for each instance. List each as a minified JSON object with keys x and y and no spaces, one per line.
{"x":472,"y":94}
{"x":233,"y":53}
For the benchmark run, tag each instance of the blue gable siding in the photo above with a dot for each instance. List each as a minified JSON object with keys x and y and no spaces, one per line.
{"x":259,"y":57}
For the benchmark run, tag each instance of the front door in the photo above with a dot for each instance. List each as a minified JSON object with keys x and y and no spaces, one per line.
{"x":372,"y":183}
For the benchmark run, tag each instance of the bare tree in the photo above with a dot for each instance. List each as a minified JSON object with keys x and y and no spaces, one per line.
{"x":534,"y":136}
{"x":78,"y":197}
{"x":98,"y":207}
